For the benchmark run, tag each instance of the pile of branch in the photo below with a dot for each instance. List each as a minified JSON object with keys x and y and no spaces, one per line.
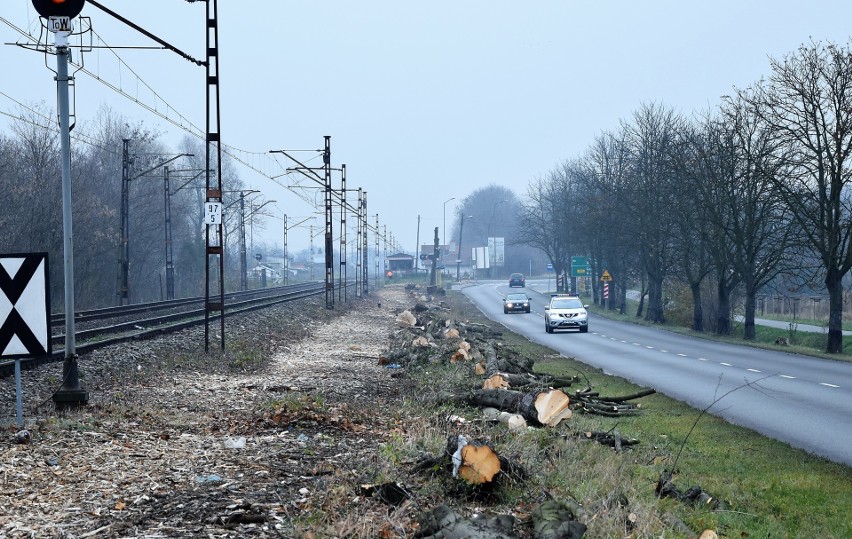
{"x":611,"y":438}
{"x":696,"y":495}
{"x":591,"y":402}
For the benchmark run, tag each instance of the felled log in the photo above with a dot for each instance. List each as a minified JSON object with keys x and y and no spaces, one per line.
{"x":495,"y":381}
{"x":540,"y":407}
{"x":549,"y":407}
{"x":515,"y":422}
{"x":406,"y":319}
{"x":474,"y":461}
{"x":444,"y":523}
{"x":513,"y":380}
{"x":494,"y":363}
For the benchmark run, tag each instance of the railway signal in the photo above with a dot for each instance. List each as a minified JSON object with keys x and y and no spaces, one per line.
{"x":59,"y":8}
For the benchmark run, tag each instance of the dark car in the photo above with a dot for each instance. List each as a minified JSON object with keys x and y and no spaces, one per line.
{"x":517,"y":279}
{"x":514,"y":303}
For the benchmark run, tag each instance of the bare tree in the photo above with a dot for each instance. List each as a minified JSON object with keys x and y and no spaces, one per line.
{"x":759,"y":229}
{"x":807,"y":104}
{"x":649,"y":139}
{"x":692,"y":224}
{"x":605,"y":172}
{"x":549,"y":215}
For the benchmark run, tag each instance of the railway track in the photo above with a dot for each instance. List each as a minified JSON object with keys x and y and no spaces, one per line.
{"x":112,"y":325}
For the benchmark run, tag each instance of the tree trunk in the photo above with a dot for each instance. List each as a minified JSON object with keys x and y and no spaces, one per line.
{"x":656,"y":313}
{"x":622,"y":296}
{"x":723,"y":317}
{"x":749,"y":331}
{"x":697,"y":308}
{"x":834,"y":285}
{"x":642,"y":291}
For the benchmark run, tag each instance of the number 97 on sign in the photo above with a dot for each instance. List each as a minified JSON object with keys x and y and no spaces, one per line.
{"x":213,"y":213}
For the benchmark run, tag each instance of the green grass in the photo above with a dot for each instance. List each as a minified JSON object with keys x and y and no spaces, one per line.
{"x":768,"y":488}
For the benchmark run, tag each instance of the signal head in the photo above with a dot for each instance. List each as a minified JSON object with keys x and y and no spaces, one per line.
{"x":59,"y":8}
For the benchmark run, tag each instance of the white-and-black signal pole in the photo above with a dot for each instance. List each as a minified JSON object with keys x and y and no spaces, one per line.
{"x":59,"y":15}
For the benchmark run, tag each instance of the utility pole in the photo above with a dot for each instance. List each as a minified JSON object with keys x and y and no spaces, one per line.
{"x":359,"y":289}
{"x":417,"y":249}
{"x":458,"y":255}
{"x":378,"y":256}
{"x":122,"y":289}
{"x":214,"y":233}
{"x":365,"y":281}
{"x":243,"y":268}
{"x":329,"y":236}
{"x":286,"y":263}
{"x":341,"y":291}
{"x":384,"y":251}
{"x":167,"y":210}
{"x":433,"y":276}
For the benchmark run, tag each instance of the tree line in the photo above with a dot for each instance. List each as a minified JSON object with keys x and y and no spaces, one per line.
{"x":729,"y":202}
{"x":32,"y":203}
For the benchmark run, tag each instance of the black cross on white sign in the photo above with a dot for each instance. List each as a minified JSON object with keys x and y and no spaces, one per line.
{"x":24,"y":306}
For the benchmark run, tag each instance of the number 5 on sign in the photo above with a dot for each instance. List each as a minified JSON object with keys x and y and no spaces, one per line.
{"x":213,"y":213}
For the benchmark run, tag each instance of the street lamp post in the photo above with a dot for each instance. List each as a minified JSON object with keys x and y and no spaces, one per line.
{"x":445,"y":219}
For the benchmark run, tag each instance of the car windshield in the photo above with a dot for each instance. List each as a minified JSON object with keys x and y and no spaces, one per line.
{"x":570,"y":303}
{"x":517,"y":276}
{"x":516,"y":297}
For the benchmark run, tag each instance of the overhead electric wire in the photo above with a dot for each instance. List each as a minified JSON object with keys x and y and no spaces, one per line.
{"x":190,"y":128}
{"x":79,"y":136}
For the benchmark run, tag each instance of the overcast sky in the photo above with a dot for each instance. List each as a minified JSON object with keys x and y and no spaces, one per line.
{"x":424,"y":101}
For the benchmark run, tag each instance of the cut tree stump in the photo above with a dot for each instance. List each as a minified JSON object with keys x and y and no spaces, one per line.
{"x":475,"y":461}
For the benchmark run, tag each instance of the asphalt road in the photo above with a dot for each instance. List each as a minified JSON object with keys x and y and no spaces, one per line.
{"x":803,"y":401}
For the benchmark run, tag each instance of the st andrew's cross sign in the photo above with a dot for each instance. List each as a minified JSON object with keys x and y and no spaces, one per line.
{"x":24,"y":306}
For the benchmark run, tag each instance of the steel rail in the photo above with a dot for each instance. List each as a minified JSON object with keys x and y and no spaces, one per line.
{"x":167,"y":324}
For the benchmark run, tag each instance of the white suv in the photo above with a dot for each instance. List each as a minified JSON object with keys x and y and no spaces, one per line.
{"x":566,"y":311}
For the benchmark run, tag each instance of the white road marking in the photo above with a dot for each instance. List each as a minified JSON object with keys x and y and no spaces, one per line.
{"x":753,"y":370}
{"x":827,"y":385}
{"x":725,"y":364}
{"x":788,"y":377}
{"x":683,"y":355}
